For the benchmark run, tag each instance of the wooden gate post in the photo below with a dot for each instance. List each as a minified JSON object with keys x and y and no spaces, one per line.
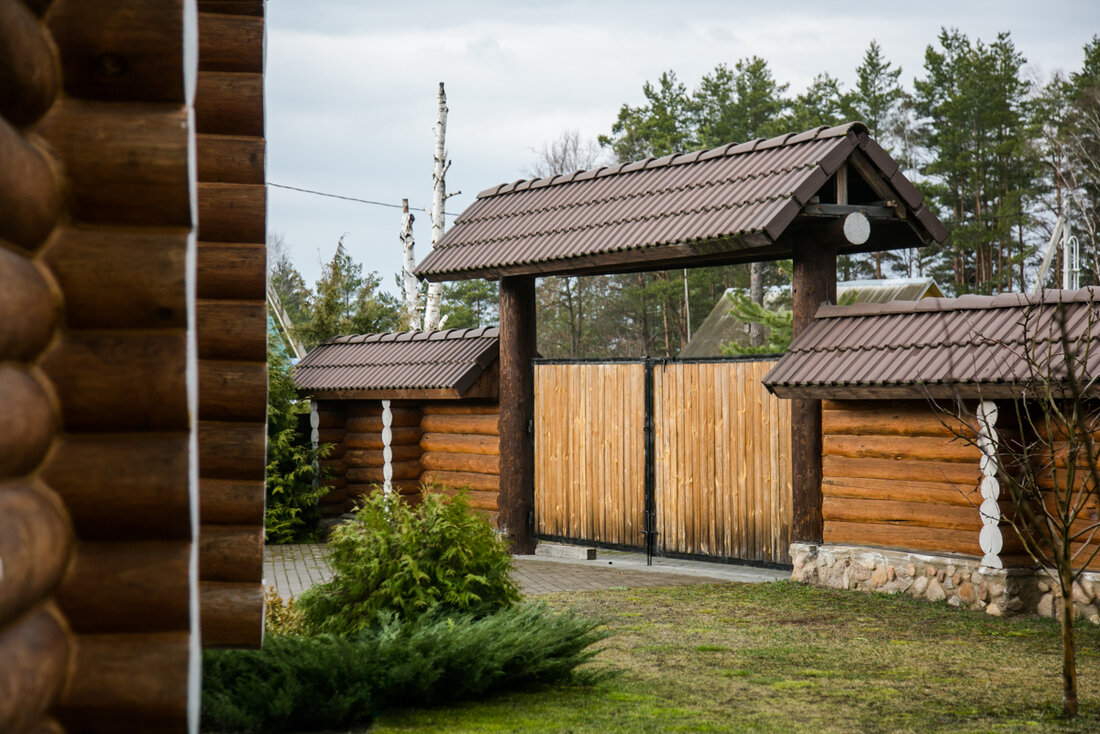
{"x":517,"y":410}
{"x":814,"y":283}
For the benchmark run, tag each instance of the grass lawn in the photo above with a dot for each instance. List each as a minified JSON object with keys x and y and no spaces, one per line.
{"x":784,"y":657}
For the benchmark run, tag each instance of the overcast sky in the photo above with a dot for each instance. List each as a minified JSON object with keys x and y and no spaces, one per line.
{"x":351,"y":86}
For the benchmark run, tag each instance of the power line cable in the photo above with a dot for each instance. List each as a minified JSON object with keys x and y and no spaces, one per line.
{"x":346,"y":198}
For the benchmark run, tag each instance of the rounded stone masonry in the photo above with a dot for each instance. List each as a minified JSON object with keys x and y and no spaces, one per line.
{"x":961,"y":582}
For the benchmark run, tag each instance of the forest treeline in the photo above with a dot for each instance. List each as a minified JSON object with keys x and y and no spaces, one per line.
{"x":999,"y":153}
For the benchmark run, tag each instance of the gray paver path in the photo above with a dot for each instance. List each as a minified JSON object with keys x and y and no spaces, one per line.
{"x":292,"y":569}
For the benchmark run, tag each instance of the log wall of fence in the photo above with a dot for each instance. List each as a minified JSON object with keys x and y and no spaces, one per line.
{"x":589,"y":452}
{"x":723,"y":462}
{"x":231,"y":319}
{"x":896,"y":475}
{"x":451,"y":443}
{"x":329,"y":421}
{"x":461,"y":448}
{"x":97,"y":494}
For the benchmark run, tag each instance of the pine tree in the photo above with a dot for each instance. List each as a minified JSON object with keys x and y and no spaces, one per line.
{"x":659,"y":127}
{"x":347,"y":302}
{"x":469,"y":304}
{"x":975,"y":129}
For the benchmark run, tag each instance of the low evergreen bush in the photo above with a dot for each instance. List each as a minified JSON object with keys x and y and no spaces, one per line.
{"x":394,"y":560}
{"x":328,"y":681}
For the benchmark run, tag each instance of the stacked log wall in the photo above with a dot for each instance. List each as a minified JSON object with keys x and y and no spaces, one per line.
{"x":365,"y":458}
{"x":896,"y":475}
{"x":231,"y":319}
{"x":98,"y":500}
{"x":36,"y":538}
{"x":328,"y":419}
{"x":461,"y":448}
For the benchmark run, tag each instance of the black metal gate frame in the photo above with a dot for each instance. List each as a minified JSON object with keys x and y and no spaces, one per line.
{"x":649,"y":528}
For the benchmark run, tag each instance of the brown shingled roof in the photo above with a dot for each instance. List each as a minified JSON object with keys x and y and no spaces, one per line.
{"x":441,"y":363}
{"x":680,"y":210}
{"x":972,"y":346}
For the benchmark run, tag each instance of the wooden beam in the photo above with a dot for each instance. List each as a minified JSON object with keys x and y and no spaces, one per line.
{"x":841,"y":210}
{"x":517,"y":410}
{"x":814,"y":283}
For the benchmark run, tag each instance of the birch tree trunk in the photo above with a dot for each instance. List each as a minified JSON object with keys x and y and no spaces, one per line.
{"x":756,"y":295}
{"x":439,"y":198}
{"x":411,"y":284}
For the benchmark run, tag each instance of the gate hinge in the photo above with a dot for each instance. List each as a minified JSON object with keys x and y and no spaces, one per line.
{"x":530,"y":426}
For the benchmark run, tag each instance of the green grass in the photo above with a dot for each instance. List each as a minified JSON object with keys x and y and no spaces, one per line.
{"x":784,"y":657}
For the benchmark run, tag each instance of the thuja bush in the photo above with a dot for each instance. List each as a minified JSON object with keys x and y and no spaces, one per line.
{"x":291,"y":479}
{"x":398,"y":561}
{"x":328,"y":681}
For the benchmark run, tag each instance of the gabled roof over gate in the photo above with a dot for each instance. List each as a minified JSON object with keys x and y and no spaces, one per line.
{"x":735,"y":203}
{"x":399,"y":365}
{"x":973,"y":346}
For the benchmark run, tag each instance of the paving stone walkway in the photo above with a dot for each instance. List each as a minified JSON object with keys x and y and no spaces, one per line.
{"x":292,"y":569}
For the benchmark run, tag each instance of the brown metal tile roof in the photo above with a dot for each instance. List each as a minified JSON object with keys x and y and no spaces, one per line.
{"x":973,"y":346}
{"x":450,"y":359}
{"x":696,"y":206}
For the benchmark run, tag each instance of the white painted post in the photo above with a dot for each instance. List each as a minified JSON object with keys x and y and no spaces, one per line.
{"x":989,"y":539}
{"x":387,"y":452}
{"x":315,"y":439}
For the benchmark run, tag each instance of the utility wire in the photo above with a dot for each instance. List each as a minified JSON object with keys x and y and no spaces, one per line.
{"x":345,"y":198}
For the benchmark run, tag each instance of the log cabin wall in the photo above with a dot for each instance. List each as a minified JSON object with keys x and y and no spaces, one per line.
{"x":36,"y":538}
{"x":232,"y":319}
{"x":451,"y":443}
{"x":895,"y":475}
{"x":331,"y":417}
{"x":461,"y":444}
{"x":98,"y":497}
{"x":364,"y":456}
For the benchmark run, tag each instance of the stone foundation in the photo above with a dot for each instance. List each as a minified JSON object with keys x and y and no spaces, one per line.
{"x":960,"y":581}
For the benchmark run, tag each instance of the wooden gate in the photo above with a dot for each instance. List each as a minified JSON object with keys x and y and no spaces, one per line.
{"x":716,"y":472}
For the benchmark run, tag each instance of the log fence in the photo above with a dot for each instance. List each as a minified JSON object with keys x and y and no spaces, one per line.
{"x":453,"y":444}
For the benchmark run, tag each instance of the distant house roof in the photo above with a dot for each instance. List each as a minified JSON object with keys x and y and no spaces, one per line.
{"x":411,"y":364}
{"x":886,"y":290}
{"x":729,"y":204}
{"x":721,"y":327}
{"x":973,"y":346}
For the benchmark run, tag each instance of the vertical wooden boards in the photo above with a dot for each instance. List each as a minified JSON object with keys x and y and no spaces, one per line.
{"x":589,"y":451}
{"x":232,"y":317}
{"x":98,"y":493}
{"x":895,"y":475}
{"x":721,"y":454}
{"x":722,"y":463}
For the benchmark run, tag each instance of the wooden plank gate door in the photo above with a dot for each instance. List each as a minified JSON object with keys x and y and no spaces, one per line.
{"x":714,"y":471}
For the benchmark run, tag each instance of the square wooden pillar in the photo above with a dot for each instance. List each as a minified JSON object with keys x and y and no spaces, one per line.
{"x":517,"y":411}
{"x":814,"y":283}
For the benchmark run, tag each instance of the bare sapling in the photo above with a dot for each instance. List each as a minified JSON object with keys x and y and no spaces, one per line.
{"x":1047,"y":461}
